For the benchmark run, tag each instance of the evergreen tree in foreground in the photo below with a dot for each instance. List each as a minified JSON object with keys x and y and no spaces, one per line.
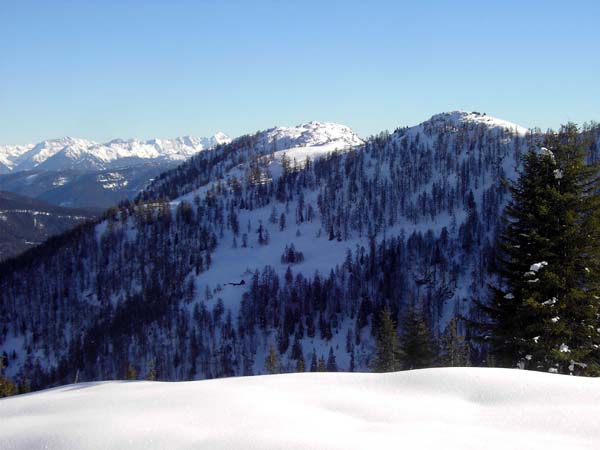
{"x":388,"y":354}
{"x":544,"y":316}
{"x":416,"y":341}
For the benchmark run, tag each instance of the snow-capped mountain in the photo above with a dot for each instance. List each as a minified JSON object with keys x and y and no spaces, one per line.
{"x":330,"y":136}
{"x":454,"y":120}
{"x":80,"y":173}
{"x":81,"y":154}
{"x":9,"y":154}
{"x":274,"y":239}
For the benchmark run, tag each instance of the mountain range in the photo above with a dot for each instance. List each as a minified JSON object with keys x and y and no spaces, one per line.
{"x":290,"y":239}
{"x":80,"y":154}
{"x":72,"y":172}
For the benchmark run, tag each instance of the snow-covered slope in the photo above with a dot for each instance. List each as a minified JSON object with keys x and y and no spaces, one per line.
{"x":491,"y":409}
{"x":407,"y":218}
{"x":9,"y":154}
{"x":72,"y":153}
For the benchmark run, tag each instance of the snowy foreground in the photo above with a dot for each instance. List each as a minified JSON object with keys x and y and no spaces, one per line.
{"x":424,"y":409}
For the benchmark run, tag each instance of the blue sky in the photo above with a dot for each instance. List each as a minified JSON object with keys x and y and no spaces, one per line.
{"x":105,"y":69}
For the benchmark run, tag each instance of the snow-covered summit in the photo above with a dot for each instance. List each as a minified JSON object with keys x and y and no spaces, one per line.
{"x":10,"y":153}
{"x":47,"y":149}
{"x":73,"y":153}
{"x":457,"y":119}
{"x":311,"y":134}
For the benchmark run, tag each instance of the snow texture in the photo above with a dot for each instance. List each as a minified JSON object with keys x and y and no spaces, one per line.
{"x":460,"y":408}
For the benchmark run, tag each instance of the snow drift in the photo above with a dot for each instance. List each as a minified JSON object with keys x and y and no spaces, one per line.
{"x":426,"y":409}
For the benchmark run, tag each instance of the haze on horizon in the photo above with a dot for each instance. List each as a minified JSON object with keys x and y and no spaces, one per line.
{"x":148,"y":68}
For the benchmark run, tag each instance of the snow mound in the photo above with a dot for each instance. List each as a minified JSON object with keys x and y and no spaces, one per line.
{"x":426,"y":409}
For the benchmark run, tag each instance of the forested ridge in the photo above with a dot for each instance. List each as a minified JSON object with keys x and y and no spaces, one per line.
{"x":409,"y":221}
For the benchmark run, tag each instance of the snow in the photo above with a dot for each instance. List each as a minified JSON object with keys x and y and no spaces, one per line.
{"x":550,"y":302}
{"x":543,"y":151}
{"x":459,"y":408}
{"x":537,"y":266}
{"x":311,"y":134}
{"x":65,"y":153}
{"x":458,"y":118}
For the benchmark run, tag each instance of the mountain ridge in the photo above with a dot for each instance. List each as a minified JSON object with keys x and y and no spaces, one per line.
{"x":75,"y":153}
{"x":321,"y":244}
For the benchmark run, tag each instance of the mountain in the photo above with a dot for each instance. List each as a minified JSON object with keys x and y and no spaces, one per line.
{"x":81,"y":154}
{"x":450,"y":409}
{"x":80,"y":173}
{"x":26,"y":222}
{"x":294,"y":238}
{"x":9,"y":154}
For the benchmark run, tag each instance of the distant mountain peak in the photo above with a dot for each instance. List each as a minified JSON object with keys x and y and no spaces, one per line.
{"x":75,"y":153}
{"x":459,"y":117}
{"x":312,"y":134}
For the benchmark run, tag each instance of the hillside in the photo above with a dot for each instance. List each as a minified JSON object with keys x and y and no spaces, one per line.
{"x":82,"y":188}
{"x":425,"y":409}
{"x":292,"y":237}
{"x":26,"y":222}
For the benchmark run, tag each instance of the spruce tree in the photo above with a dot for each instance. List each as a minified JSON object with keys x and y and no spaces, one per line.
{"x":151,"y":375}
{"x":331,"y":361}
{"x":272,"y":362}
{"x":7,"y":387}
{"x":455,"y":351}
{"x":416,"y":341}
{"x":321,"y":365}
{"x":131,"y":373}
{"x":387,"y":354}
{"x":544,"y":313}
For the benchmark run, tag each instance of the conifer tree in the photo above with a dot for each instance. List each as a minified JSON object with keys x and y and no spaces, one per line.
{"x":272,"y":361}
{"x":388,"y":355}
{"x":313,"y":361}
{"x":544,"y":315}
{"x":331,"y":362}
{"x":454,"y":349}
{"x":321,"y":365}
{"x":151,"y":375}
{"x":7,"y":387}
{"x":416,"y":341}
{"x":131,"y":372}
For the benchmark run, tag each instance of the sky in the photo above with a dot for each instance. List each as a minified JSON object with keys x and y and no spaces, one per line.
{"x":108,"y":69}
